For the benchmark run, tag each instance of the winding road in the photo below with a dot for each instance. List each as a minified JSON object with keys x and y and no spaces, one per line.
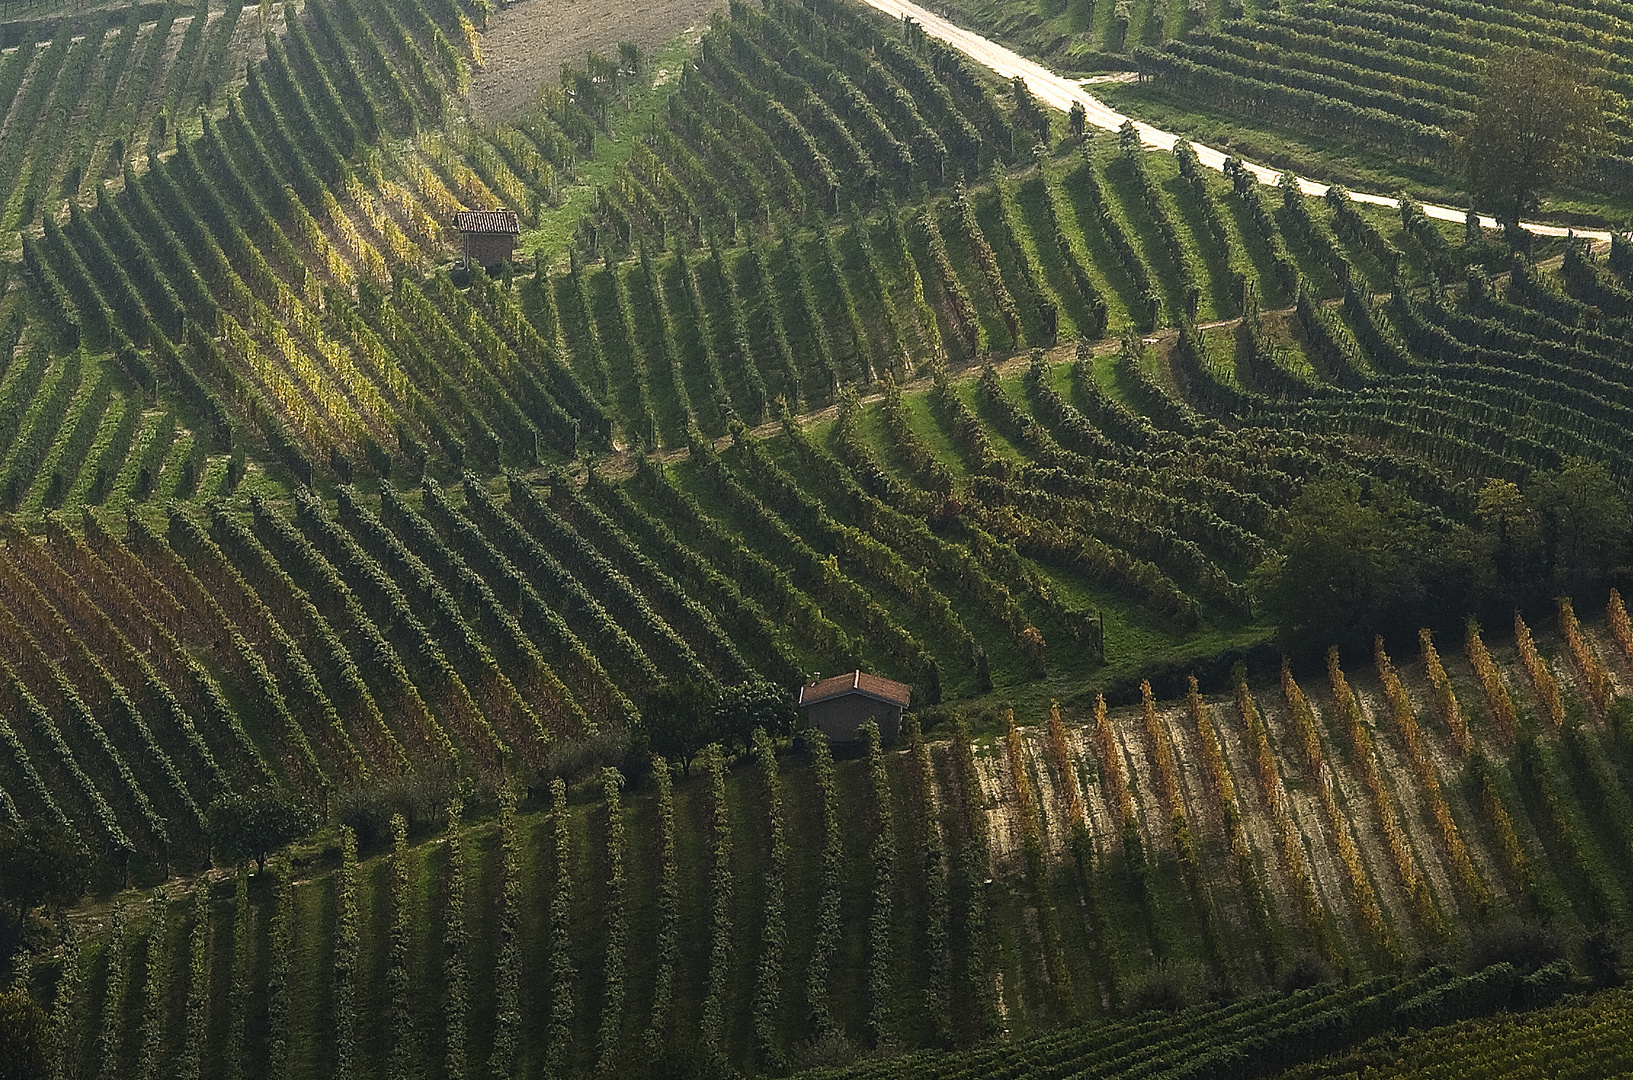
{"x":1062,"y":92}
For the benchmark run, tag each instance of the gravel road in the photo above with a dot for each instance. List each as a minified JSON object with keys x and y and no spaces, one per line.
{"x":1062,"y":92}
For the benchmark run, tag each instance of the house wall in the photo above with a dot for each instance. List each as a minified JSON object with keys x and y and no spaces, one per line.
{"x":840,"y":717}
{"x":489,"y":249}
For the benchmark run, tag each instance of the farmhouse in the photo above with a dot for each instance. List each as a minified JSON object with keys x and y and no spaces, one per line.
{"x":489,"y":236}
{"x":840,"y":705}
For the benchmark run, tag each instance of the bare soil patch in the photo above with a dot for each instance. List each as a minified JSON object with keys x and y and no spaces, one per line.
{"x":1416,"y":820}
{"x":526,"y":43}
{"x":1003,"y":810}
{"x":1259,"y":831}
{"x":1451,"y":767}
{"x":1053,"y":813}
{"x":1096,"y":803}
{"x":1327,"y":873}
{"x":1128,"y":725}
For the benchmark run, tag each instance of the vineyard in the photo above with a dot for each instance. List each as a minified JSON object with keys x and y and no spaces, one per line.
{"x":88,"y":95}
{"x":828,"y":350}
{"x":1095,"y":35}
{"x":1576,"y":1038}
{"x":1382,"y":812}
{"x":1398,"y":77}
{"x":974,"y":537}
{"x":299,"y":332}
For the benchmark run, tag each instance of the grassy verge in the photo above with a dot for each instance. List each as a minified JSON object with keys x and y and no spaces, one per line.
{"x":612,"y":151}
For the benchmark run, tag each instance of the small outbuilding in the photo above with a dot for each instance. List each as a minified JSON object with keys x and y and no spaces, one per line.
{"x":489,"y":236}
{"x":842,"y":704}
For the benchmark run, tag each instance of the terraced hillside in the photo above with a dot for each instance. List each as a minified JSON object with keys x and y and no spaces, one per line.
{"x":1092,"y":35}
{"x":1584,"y":1035}
{"x":855,"y":358}
{"x":1373,"y":95}
{"x":1398,"y":77}
{"x":304,"y":343}
{"x":88,"y":94}
{"x":312,"y":335}
{"x":381,"y":635}
{"x":971,"y":539}
{"x":773,"y":912}
{"x":975,"y":536}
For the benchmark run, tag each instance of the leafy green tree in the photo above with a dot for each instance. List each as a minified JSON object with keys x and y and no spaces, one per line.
{"x":1535,"y":126}
{"x":1566,"y":529}
{"x":1512,"y":531}
{"x":757,"y":703}
{"x":39,"y":864}
{"x":42,"y":864}
{"x":253,"y":824}
{"x":684,"y":716}
{"x":1351,"y":561}
{"x":1583,"y":520}
{"x":25,"y":1038}
{"x":1356,"y":561}
{"x":679,"y":717}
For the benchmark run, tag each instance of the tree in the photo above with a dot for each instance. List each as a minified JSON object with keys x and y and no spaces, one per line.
{"x":1535,"y":125}
{"x":684,"y":716}
{"x":1078,"y":119}
{"x":39,"y":864}
{"x":1511,"y":533}
{"x":1584,"y":522}
{"x":757,"y":703}
{"x":25,"y":1038}
{"x":629,"y":57}
{"x":1353,"y":560}
{"x":42,"y":864}
{"x":253,"y":824}
{"x":680,"y":719}
{"x":1564,"y":531}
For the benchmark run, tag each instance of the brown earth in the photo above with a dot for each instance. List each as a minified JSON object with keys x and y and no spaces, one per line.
{"x":1328,"y":876}
{"x":1401,"y":785}
{"x":1258,"y":829}
{"x":1449,"y":765}
{"x":1129,"y":726}
{"x":1004,"y":831}
{"x":1096,"y":802}
{"x":526,"y":43}
{"x":1604,"y":643}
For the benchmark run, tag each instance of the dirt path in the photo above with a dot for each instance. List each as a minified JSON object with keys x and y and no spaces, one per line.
{"x":526,"y":43}
{"x":1062,"y":93}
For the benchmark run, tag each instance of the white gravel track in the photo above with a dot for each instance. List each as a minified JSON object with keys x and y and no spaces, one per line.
{"x":1062,"y":92}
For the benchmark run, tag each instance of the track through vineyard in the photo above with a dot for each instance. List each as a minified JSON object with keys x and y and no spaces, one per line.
{"x":1063,"y":93}
{"x":833,"y":354}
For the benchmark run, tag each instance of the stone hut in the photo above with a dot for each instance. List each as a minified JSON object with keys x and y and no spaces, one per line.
{"x":840,"y":705}
{"x":489,"y":236}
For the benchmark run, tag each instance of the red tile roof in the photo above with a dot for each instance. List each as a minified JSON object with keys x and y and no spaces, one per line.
{"x":857,"y":682}
{"x":487,"y":221}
